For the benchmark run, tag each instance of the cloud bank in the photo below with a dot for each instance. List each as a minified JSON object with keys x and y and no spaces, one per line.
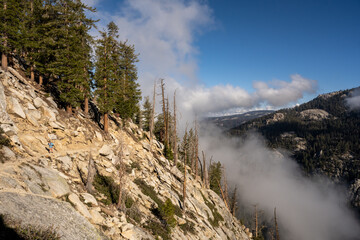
{"x":307,"y":208}
{"x":354,"y":100}
{"x":279,"y":93}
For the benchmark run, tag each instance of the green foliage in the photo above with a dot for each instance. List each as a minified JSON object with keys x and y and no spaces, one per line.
{"x":10,"y":229}
{"x":148,"y":191}
{"x":129,"y":202}
{"x":108,"y":188}
{"x":158,"y":229}
{"x":215,"y":175}
{"x":10,"y":24}
{"x":217,"y":216}
{"x":168,"y":153}
{"x":188,"y":227}
{"x":116,"y":75}
{"x":167,"y":211}
{"x":146,"y":114}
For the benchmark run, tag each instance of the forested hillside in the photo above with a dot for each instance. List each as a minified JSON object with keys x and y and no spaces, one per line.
{"x":322,"y":135}
{"x":51,"y":40}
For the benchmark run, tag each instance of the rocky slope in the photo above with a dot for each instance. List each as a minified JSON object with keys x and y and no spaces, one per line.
{"x":48,"y":189}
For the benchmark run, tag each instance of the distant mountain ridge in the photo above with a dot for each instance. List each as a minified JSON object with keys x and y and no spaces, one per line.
{"x":231,"y":121}
{"x":323,"y":135}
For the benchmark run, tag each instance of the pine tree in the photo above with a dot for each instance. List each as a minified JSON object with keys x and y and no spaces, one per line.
{"x":147,"y":106}
{"x":67,"y":49}
{"x":31,"y":39}
{"x":215,"y":175}
{"x":11,"y":12}
{"x":105,"y":74}
{"x":126,"y":103}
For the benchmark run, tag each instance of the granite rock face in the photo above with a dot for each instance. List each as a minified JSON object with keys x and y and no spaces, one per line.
{"x":53,"y":189}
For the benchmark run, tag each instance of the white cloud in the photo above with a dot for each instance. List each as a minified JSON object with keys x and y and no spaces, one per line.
{"x":220,"y":98}
{"x":354,"y":100}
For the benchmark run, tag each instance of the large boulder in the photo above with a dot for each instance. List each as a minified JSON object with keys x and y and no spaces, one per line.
{"x":46,"y":213}
{"x":105,"y":150}
{"x":15,"y":108}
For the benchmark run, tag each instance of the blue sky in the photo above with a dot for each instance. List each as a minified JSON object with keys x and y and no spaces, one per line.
{"x":234,"y":56}
{"x":264,"y":40}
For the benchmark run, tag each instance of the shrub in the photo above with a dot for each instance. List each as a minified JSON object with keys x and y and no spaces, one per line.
{"x":167,"y":211}
{"x":188,"y":227}
{"x":158,"y":229}
{"x":129,"y":202}
{"x":107,"y":186}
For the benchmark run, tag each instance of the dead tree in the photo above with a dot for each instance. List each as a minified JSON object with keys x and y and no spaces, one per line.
{"x":121,"y":172}
{"x":222,"y":195}
{"x":256,"y":221}
{"x":167,"y":133}
{"x":207,"y":174}
{"x":164,"y":111}
{"x":196,"y":150}
{"x":204,"y":170}
{"x":174,"y":133}
{"x":184,"y":184}
{"x":152,"y":118}
{"x":233,"y":206}
{"x":277,"y":236}
{"x":91,"y":175}
{"x":226,"y":193}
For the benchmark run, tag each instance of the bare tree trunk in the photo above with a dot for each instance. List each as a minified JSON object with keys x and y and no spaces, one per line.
{"x":86,"y":106}
{"x":69,"y":109}
{"x":184,"y":184}
{"x":121,"y":172}
{"x":32,"y":74}
{"x":91,"y":175}
{"x":152,"y":118}
{"x":175,"y":133}
{"x":234,"y":202}
{"x":164,"y":108}
{"x":256,"y":221}
{"x":276,"y":226}
{"x":207,"y":175}
{"x":196,"y":150}
{"x":204,"y":170}
{"x":40,"y":80}
{"x":167,"y":121}
{"x":222,"y":195}
{"x":225,"y":187}
{"x":106,"y":122}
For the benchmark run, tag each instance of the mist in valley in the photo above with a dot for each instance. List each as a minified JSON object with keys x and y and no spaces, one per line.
{"x":307,"y":208}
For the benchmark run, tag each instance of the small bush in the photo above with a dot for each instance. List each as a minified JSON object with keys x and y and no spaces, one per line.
{"x":133,"y":215}
{"x":129,"y":202}
{"x":188,"y":227}
{"x":148,"y":191}
{"x":107,"y":186}
{"x":157,"y":229}
{"x":167,"y":211}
